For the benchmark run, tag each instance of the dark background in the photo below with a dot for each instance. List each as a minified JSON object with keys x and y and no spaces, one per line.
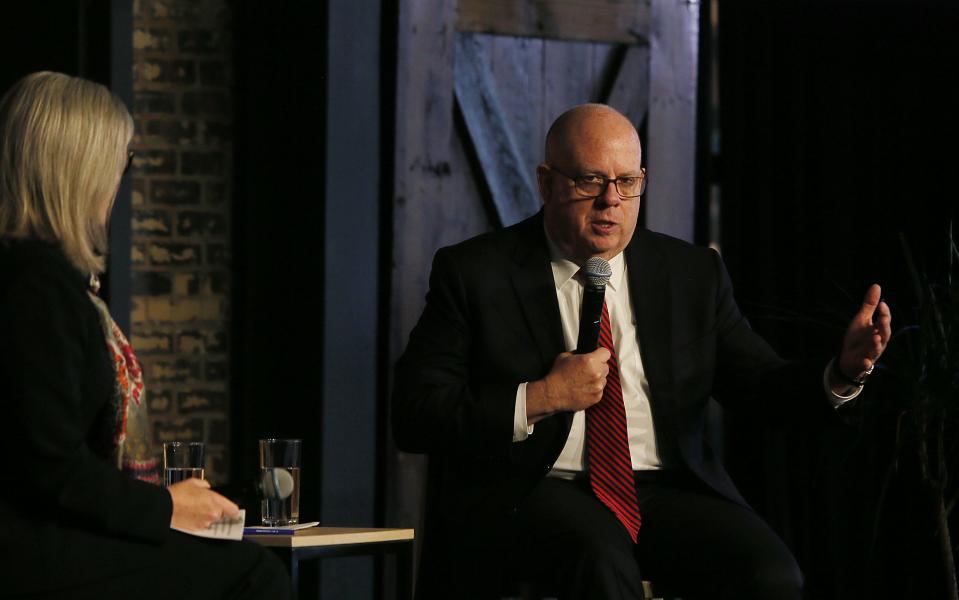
{"x":839,"y":132}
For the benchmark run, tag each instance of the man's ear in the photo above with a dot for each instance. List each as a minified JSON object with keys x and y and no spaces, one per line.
{"x":543,"y":182}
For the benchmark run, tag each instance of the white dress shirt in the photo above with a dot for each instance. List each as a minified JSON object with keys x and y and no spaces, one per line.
{"x":639,"y":419}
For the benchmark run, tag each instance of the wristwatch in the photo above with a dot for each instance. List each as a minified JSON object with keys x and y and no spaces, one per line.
{"x":859,"y":381}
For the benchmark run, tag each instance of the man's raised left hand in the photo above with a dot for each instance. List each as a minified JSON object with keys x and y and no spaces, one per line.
{"x":866,"y":337}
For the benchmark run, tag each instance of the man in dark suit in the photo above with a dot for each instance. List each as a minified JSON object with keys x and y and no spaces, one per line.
{"x":529,"y":442}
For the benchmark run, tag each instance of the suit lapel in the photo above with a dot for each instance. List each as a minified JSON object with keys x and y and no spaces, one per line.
{"x":649,"y":290}
{"x":532,"y":281}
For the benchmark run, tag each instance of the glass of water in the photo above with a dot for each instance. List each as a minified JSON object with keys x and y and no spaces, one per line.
{"x":182,"y":460}
{"x":280,"y":455}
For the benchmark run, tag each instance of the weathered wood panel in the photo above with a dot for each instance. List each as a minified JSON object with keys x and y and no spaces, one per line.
{"x":630,"y":91}
{"x":424,"y":132}
{"x":538,"y":79}
{"x":472,"y":215}
{"x":421,"y":201}
{"x":604,"y":64}
{"x":510,"y":185}
{"x":567,"y":77}
{"x":517,"y":65}
{"x":611,"y":21}
{"x":674,"y":47}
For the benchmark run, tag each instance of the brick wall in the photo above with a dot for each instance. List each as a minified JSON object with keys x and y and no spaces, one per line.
{"x":182,"y":186}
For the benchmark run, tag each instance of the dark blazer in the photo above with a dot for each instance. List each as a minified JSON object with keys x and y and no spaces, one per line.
{"x":60,"y":482}
{"x":492,"y":321}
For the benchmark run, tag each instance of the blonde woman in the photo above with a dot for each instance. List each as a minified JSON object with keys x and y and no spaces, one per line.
{"x":82,"y":513}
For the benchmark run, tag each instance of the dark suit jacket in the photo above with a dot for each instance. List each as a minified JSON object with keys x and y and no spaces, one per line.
{"x":60,"y":483}
{"x":492,"y":321}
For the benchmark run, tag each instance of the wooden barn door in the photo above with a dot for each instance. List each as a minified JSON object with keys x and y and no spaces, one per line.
{"x":478,"y":84}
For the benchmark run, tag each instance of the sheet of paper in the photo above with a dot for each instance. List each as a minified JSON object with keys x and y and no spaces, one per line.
{"x":224,"y":529}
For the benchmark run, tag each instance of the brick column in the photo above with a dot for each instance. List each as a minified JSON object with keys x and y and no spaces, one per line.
{"x":182,"y":191}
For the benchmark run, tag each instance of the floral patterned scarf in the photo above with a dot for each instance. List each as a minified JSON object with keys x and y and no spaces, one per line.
{"x":131,"y":436}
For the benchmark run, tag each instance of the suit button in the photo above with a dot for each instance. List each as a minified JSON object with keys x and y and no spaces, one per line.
{"x":547,"y":468}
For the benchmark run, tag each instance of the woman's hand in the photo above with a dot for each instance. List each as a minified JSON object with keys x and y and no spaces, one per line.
{"x":196,"y":506}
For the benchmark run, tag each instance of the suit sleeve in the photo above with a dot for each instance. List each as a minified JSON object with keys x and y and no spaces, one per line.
{"x":752,"y":377}
{"x":439,"y":404}
{"x":48,"y":460}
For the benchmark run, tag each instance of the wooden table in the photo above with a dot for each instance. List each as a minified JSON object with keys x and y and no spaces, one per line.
{"x":319,"y":542}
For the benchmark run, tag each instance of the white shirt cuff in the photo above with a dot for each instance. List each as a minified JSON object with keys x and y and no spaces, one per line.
{"x":837,"y":400}
{"x":520,"y":430}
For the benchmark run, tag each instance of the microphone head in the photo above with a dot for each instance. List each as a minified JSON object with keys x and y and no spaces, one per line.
{"x":275,"y":484}
{"x":597,"y":271}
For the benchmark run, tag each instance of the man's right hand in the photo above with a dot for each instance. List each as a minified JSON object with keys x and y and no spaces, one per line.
{"x":196,"y":506}
{"x":575,"y":382}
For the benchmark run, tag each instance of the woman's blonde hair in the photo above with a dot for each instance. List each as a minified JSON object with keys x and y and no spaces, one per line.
{"x":63,"y":146}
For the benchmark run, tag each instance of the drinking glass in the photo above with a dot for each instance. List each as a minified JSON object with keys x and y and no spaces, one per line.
{"x":277,"y":454}
{"x":182,"y":460}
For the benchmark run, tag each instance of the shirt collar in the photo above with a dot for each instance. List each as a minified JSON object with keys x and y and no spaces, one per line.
{"x":564,"y":269}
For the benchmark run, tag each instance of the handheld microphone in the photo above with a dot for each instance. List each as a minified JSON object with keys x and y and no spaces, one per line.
{"x":597,"y":273}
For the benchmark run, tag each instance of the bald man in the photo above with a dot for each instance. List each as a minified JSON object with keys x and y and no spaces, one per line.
{"x":589,"y":471}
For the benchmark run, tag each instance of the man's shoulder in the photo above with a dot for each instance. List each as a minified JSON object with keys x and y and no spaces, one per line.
{"x":673,"y":249}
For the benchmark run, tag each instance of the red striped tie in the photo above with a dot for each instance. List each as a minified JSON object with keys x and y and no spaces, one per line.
{"x":607,"y":444}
